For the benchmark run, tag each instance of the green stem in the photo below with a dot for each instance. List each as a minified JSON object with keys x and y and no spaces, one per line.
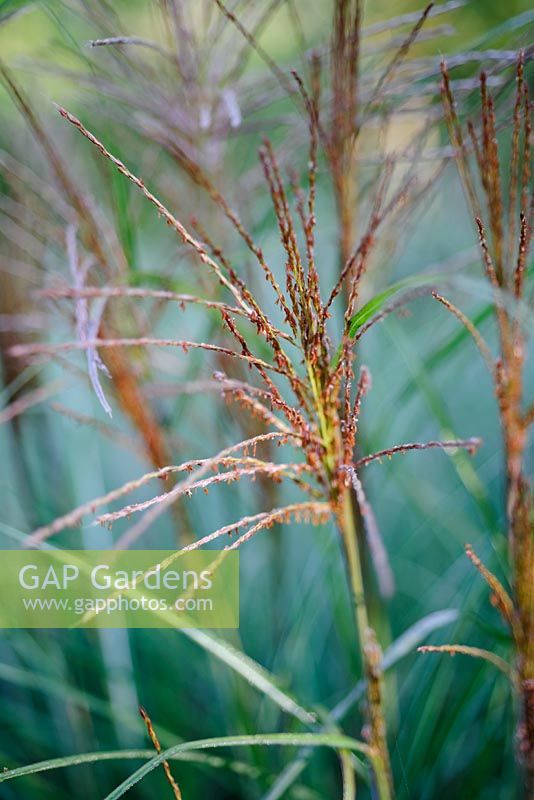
{"x":350,"y":541}
{"x":366,"y":638}
{"x":370,"y":652}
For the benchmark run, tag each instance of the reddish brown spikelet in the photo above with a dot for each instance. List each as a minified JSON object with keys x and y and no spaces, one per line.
{"x":157,"y":747}
{"x":500,"y":596}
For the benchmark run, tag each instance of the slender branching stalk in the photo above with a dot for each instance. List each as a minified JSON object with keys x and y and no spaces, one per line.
{"x":321,"y":416}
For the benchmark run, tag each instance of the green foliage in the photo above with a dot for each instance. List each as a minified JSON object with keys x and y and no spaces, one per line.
{"x":69,"y":699}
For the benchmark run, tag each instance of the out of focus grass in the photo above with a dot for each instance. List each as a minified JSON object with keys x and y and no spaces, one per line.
{"x":65,"y":692}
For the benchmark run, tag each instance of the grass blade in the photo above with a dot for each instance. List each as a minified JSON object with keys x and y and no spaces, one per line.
{"x":335,"y":741}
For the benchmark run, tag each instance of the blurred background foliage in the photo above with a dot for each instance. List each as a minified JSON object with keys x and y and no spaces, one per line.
{"x":65,"y":692}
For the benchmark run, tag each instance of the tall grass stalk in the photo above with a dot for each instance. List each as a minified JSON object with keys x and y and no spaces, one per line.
{"x":503,"y":213}
{"x":323,"y":415}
